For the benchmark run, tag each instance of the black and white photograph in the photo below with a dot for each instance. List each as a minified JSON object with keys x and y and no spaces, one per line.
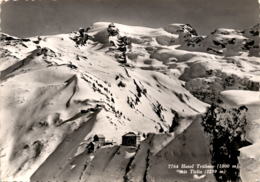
{"x":129,"y":91}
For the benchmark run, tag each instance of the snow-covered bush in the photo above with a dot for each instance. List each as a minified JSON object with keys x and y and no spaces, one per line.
{"x":112,"y":30}
{"x":226,"y":128}
{"x":123,"y":44}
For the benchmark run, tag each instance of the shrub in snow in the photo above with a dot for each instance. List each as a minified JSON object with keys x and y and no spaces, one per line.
{"x":38,"y":146}
{"x":81,"y":36}
{"x":226,"y":128}
{"x":112,"y":30}
{"x":123,"y":43}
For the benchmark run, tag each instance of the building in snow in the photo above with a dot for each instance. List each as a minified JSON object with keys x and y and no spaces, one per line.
{"x":130,"y":139}
{"x":100,"y":139}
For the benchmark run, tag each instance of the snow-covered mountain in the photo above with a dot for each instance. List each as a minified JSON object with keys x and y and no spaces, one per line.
{"x":56,"y":95}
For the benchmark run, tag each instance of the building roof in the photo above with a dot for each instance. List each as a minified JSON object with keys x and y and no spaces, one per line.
{"x":99,"y":136}
{"x":130,"y":134}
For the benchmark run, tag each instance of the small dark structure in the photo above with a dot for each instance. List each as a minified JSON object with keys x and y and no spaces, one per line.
{"x":108,"y":142}
{"x":100,"y":139}
{"x":130,"y":139}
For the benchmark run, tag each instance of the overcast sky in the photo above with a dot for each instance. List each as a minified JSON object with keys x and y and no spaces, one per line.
{"x":41,"y":17}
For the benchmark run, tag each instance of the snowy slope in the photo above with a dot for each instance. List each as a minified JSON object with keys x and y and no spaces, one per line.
{"x":55,"y":96}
